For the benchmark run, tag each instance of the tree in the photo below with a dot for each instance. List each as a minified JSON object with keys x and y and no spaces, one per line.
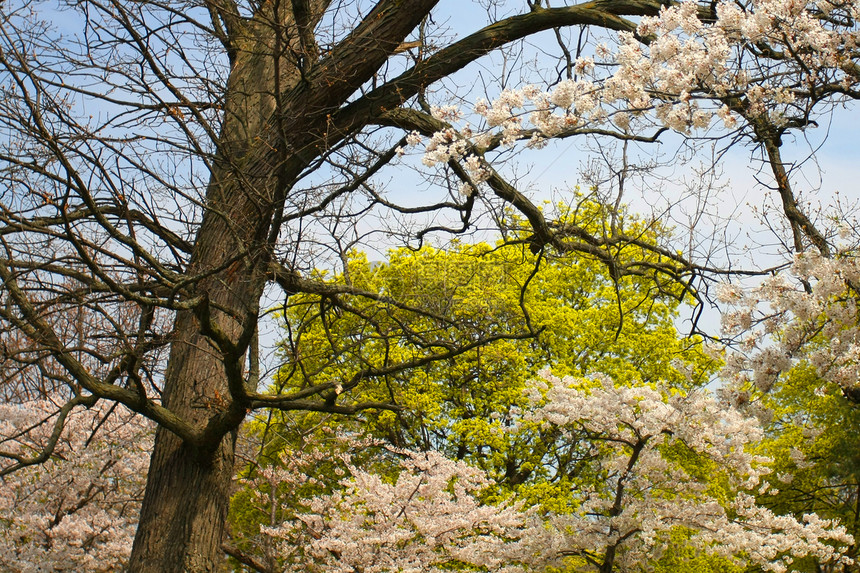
{"x":428,"y":517}
{"x":797,"y":369}
{"x":811,"y":440}
{"x":663,"y":454}
{"x":166,"y":162}
{"x":462,"y":407}
{"x":78,"y":511}
{"x":668,"y":462}
{"x":668,"y":513}
{"x":656,"y":452}
{"x":813,"y":317}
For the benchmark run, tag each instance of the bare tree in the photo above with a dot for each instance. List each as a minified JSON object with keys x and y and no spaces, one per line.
{"x":166,"y":164}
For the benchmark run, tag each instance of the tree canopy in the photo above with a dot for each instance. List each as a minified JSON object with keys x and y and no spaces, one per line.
{"x":170,"y":169}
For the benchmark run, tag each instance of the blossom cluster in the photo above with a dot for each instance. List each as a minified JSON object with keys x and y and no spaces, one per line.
{"x":659,"y":452}
{"x":425,"y":520}
{"x":692,"y":66}
{"x":79,"y":510}
{"x":653,"y":441}
{"x":781,"y":322}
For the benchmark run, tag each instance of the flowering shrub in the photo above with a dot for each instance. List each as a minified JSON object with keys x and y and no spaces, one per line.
{"x":660,"y":459}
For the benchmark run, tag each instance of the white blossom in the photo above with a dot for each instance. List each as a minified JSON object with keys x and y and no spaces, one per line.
{"x":821,"y":327}
{"x":78,"y":511}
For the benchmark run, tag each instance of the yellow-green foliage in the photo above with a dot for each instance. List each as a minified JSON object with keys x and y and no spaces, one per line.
{"x":587,"y":322}
{"x":813,"y":442}
{"x":467,"y":405}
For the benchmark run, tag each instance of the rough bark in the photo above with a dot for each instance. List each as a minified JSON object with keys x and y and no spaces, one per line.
{"x":274,"y":123}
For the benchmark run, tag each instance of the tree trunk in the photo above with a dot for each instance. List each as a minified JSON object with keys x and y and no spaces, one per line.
{"x":186,"y":503}
{"x":188,"y":490}
{"x":275,"y":122}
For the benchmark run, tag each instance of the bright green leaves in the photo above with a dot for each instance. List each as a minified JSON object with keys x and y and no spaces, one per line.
{"x":452,"y":338}
{"x":429,"y":330}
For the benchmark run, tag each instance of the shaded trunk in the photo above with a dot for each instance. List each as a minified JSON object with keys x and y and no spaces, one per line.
{"x":186,"y":503}
{"x":188,"y":489}
{"x":276,"y":120}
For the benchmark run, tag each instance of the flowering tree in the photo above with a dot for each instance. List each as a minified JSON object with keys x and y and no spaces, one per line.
{"x":165,"y":164}
{"x":78,"y":511}
{"x":428,"y":518}
{"x":795,"y":365}
{"x":809,"y":432}
{"x":669,"y":459}
{"x":762,"y":68}
{"x":813,"y":319}
{"x":661,"y":461}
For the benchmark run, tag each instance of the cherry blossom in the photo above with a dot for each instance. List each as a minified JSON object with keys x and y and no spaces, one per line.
{"x":762,"y":60}
{"x":78,"y":511}
{"x":426,"y":520}
{"x":663,"y":459}
{"x":781,"y":322}
{"x":657,"y":449}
